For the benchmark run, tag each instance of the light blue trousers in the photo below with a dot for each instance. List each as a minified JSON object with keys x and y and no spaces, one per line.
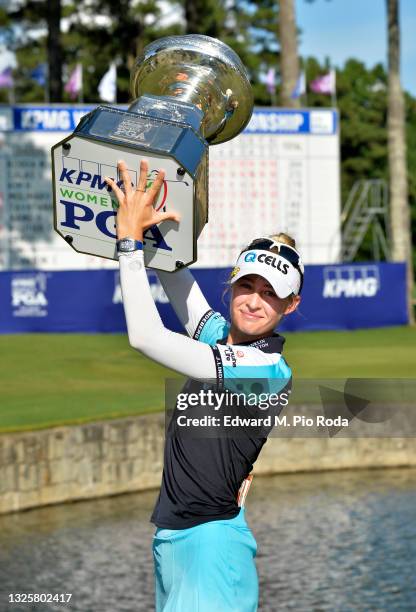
{"x":206,"y":568}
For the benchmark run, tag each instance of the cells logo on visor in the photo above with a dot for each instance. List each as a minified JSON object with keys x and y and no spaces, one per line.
{"x":250,"y":257}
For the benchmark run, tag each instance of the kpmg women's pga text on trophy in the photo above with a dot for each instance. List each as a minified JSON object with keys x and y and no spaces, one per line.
{"x":190,"y":91}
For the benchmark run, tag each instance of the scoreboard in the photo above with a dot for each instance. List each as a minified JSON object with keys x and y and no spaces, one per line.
{"x":281,"y":174}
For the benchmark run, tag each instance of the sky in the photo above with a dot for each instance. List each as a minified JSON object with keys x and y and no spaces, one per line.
{"x":340,"y":29}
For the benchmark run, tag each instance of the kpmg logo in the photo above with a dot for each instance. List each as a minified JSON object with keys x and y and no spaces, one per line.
{"x":76,"y":177}
{"x":361,"y":281}
{"x":85,"y":199}
{"x":156,"y":289}
{"x":28,"y":295}
{"x":45,"y":119}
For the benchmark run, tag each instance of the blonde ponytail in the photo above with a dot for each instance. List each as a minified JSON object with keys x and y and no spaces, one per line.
{"x":284,"y":238}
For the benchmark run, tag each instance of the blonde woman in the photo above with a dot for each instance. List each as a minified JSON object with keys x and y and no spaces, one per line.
{"x":203,"y":548}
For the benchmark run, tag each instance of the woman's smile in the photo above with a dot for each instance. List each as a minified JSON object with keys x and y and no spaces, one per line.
{"x":250,"y":315}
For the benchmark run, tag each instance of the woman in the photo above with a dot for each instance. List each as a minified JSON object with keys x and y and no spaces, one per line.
{"x":203,"y":549}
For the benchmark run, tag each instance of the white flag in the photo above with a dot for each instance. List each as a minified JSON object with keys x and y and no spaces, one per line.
{"x":7,"y":59}
{"x":108,"y":85}
{"x":300,"y":87}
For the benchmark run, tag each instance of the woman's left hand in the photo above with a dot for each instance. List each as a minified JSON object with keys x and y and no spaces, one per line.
{"x":136,"y":213}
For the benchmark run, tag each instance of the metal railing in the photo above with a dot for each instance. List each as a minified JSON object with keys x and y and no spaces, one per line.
{"x":367,"y":205}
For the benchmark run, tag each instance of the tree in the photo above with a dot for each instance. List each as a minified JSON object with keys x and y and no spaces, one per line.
{"x":54,"y":13}
{"x":362,"y":104}
{"x":98,"y":32}
{"x":123,"y":30}
{"x":401,"y":236}
{"x":247,"y":26}
{"x":204,"y":17}
{"x":289,"y":61}
{"x":23,"y":25}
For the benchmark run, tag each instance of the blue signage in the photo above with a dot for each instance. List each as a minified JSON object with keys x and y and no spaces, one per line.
{"x":322,"y":121}
{"x":351,"y":296}
{"x":48,"y":119}
{"x":58,"y":118}
{"x":334,"y":297}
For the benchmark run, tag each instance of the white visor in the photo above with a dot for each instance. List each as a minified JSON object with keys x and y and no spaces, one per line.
{"x":278,"y":271}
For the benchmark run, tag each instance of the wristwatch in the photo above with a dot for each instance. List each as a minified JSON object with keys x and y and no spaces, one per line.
{"x":128,"y":245}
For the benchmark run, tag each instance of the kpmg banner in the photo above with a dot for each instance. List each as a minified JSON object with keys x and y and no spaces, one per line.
{"x":335,"y":297}
{"x":61,"y":118}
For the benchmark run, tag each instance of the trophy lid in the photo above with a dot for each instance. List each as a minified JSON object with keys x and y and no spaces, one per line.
{"x":202,"y":71}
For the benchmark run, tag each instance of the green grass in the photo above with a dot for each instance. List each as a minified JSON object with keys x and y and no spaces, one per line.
{"x":55,"y":379}
{"x":370,"y":353}
{"x":52,"y":379}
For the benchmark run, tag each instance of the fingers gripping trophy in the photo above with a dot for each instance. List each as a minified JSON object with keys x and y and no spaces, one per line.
{"x":189,"y":92}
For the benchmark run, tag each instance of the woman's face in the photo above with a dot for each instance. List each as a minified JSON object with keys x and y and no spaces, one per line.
{"x":255,"y":309}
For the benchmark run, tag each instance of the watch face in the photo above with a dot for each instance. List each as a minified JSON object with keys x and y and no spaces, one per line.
{"x":126,"y":245}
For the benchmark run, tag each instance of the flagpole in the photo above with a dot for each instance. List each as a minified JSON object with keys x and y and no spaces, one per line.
{"x":12,"y":96}
{"x":305,"y":92}
{"x":334,"y":89}
{"x":47,"y":99}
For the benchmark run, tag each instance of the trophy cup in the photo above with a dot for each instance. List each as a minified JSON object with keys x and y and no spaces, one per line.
{"x":189,"y":92}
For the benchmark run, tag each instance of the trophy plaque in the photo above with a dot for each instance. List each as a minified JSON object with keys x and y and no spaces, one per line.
{"x":189,"y":92}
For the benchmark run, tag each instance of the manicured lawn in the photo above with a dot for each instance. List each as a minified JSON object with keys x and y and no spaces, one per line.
{"x":51,"y":379}
{"x":375,"y":353}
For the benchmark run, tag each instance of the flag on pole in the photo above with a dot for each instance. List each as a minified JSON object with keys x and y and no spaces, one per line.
{"x":300,"y":87}
{"x":74,"y":84}
{"x":7,"y":59}
{"x":271,"y":81}
{"x":325,"y":84}
{"x":6,"y":79}
{"x":107,"y":87}
{"x":39,"y":73}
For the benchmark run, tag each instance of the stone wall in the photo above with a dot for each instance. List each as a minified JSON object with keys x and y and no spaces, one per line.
{"x":78,"y":462}
{"x":125,"y":455}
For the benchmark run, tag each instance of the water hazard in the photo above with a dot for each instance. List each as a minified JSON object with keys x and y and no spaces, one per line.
{"x":334,"y":541}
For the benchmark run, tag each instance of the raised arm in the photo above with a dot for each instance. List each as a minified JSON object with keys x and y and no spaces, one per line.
{"x":185,"y":296}
{"x":146,"y":331}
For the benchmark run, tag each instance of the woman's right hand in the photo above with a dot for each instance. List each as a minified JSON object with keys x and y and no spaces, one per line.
{"x":136,"y":211}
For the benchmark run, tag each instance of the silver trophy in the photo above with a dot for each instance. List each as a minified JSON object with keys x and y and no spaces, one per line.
{"x":189,"y":92}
